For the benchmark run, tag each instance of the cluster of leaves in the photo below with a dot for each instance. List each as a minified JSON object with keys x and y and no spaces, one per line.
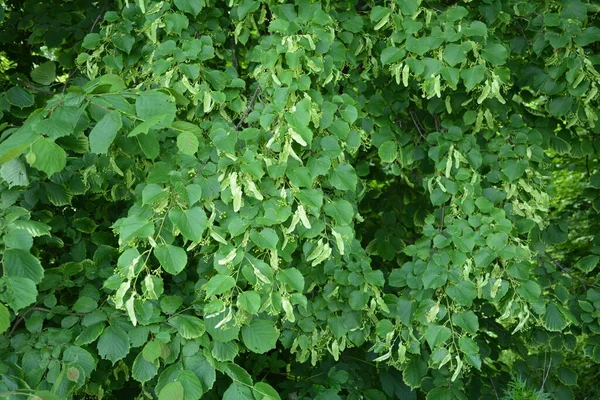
{"x":318,"y":199}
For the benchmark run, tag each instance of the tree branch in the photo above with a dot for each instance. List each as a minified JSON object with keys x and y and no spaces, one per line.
{"x":37,"y":89}
{"x":418,"y":124}
{"x":249,"y":108}
{"x":568,"y":272}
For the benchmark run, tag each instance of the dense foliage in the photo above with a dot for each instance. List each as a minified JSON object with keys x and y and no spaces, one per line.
{"x":309,"y":199}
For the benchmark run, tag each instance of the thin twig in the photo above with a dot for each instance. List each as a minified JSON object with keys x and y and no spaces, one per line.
{"x":56,"y":312}
{"x":42,"y":309}
{"x":104,"y":7}
{"x":37,"y":89}
{"x":438,"y":124}
{"x":74,"y":70}
{"x":249,"y":108}
{"x":494,"y":387}
{"x":546,"y":373}
{"x":234,"y":61}
{"x":568,"y":272}
{"x":417,"y":123}
{"x":21,"y":319}
{"x":442,"y":217}
{"x":523,"y":33}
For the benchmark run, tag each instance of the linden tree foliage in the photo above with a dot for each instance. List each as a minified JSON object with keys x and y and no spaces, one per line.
{"x":315,"y":199}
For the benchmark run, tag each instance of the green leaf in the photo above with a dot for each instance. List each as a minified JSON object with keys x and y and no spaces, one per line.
{"x":113,"y":344}
{"x":190,"y":6}
{"x":173,"y":390}
{"x":300,"y":177}
{"x":530,"y":291}
{"x":21,"y":263}
{"x":45,"y":73}
{"x":150,"y":104}
{"x":192,"y":387}
{"x":105,"y":131}
{"x":90,"y":334}
{"x":47,"y":156}
{"x":249,"y":301}
{"x":20,"y":292}
{"x":260,"y":336}
{"x":388,"y":152}
{"x":567,"y":376}
{"x":293,"y":278}
{"x":219,"y":284}
{"x":188,"y":326}
{"x":414,"y":372}
{"x":144,"y":370}
{"x":514,"y":169}
{"x":191,"y":223}
{"x":495,"y":54}
{"x":341,"y":211}
{"x":19,"y":97}
{"x":14,"y":173}
{"x":200,"y":366}
{"x":554,"y":319}
{"x":264,"y":391}
{"x":467,"y":320}
{"x":560,"y":106}
{"x":145,"y":126}
{"x":153,"y":193}
{"x":391,"y":55}
{"x":463,"y":294}
{"x":91,"y":41}
{"x":85,"y":305}
{"x":187,"y":143}
{"x":152,"y":350}
{"x":265,"y":239}
{"x":497,"y":241}
{"x":440,"y":393}
{"x":172,"y":258}
{"x":4,"y":318}
{"x":16,"y":143}
{"x":455,"y":54}
{"x":588,"y":263}
{"x":236,"y":391}
{"x":343,"y":177}
{"x":472,"y":76}
{"x":18,"y":239}
{"x":588,"y":36}
{"x":133,"y":227}
{"x":436,"y":335}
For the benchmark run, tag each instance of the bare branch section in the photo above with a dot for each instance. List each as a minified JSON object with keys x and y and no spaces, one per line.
{"x":37,"y":89}
{"x":418,"y":125}
{"x":249,"y":108}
